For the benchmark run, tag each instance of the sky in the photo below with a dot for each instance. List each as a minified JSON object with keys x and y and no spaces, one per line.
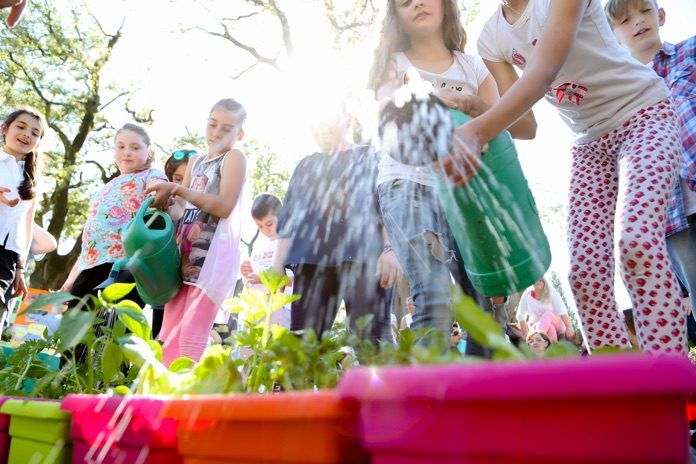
{"x":181,"y":75}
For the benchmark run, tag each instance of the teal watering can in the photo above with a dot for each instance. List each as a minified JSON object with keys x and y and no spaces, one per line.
{"x":152,"y":255}
{"x":493,"y":217}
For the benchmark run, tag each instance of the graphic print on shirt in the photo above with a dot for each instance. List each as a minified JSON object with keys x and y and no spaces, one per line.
{"x":574,"y":93}
{"x":437,"y":83}
{"x":518,"y":58}
{"x":195,"y":235}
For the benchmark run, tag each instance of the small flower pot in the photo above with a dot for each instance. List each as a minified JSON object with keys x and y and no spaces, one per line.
{"x":121,"y":429}
{"x":4,"y":432}
{"x":291,"y":427}
{"x":610,"y":409}
{"x":39,"y":432}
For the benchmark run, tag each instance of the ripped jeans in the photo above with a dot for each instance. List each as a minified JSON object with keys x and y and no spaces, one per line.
{"x":423,"y":243}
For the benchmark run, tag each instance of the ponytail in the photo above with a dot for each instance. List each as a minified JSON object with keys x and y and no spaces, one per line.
{"x":27,"y":189}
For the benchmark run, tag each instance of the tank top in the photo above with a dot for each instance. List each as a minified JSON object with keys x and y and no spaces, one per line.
{"x":209,"y":245}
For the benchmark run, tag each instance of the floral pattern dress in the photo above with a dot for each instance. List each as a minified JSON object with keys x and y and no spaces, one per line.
{"x":109,"y":213}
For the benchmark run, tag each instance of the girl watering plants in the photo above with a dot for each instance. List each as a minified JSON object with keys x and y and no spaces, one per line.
{"x":625,"y":158}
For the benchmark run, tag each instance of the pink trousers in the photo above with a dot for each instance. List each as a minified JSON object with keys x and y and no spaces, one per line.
{"x":188,"y":320}
{"x":627,"y":176}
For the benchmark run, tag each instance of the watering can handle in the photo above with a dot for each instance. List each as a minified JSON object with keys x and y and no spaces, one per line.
{"x":144,"y":206}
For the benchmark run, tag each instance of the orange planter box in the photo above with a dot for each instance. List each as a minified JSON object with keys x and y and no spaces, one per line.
{"x":292,"y":427}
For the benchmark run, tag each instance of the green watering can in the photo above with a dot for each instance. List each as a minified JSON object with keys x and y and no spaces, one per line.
{"x":152,"y":255}
{"x":493,"y":217}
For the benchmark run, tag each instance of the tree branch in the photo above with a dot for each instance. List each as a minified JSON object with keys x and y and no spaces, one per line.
{"x":105,"y":177}
{"x":33,"y":83}
{"x":122,"y":94}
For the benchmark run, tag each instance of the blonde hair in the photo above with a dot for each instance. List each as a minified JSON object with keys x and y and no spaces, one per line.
{"x":393,"y":39}
{"x":615,"y":9}
{"x":545,"y":295}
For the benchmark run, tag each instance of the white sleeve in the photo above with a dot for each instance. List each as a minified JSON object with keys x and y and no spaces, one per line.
{"x":486,"y":44}
{"x":522,"y":307}
{"x":481,"y":70}
{"x":557,"y":303}
{"x":386,"y":91}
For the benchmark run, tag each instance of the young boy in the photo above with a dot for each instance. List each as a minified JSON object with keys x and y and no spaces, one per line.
{"x":264,"y":211}
{"x":636,"y":24}
{"x":330,"y":234}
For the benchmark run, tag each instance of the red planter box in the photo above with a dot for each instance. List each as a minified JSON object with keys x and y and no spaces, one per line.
{"x":291,"y":427}
{"x":611,"y":409}
{"x":121,"y":429}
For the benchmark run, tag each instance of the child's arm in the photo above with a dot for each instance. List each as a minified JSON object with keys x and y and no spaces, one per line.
{"x":68,"y":284}
{"x":19,"y":285}
{"x":388,"y":267}
{"x":505,"y":76}
{"x":281,"y":252}
{"x":549,"y":55}
{"x":231,"y":182}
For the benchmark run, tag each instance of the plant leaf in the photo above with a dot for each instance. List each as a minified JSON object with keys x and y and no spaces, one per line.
{"x":133,"y":318}
{"x":182,"y":364}
{"x":115,"y":292}
{"x":74,"y":326}
{"x":55,"y":300}
{"x":156,"y":349}
{"x":111,"y":360}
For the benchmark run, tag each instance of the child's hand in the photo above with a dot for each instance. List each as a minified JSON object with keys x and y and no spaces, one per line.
{"x":246,"y":269}
{"x":16,"y":11}
{"x":465,"y":159}
{"x":388,"y":269}
{"x":5,"y":200}
{"x":471,"y":105}
{"x":19,"y":286}
{"x":163,"y":192}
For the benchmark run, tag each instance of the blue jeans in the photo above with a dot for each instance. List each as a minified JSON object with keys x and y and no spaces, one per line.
{"x":682,"y":251}
{"x":423,"y":243}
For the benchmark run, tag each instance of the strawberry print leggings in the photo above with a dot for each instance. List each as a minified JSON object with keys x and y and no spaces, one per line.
{"x":627,"y":176}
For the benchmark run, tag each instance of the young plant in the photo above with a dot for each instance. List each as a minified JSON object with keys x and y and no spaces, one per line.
{"x":93,"y":359}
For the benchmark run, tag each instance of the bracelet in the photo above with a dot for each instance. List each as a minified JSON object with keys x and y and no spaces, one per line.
{"x":387,"y":249}
{"x":19,"y":266}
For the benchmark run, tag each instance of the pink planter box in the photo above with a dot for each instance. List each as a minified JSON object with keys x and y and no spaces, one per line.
{"x":121,"y":429}
{"x":611,"y":409}
{"x":4,"y":433}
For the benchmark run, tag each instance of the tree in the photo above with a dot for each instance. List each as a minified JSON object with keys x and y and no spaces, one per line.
{"x":54,"y":61}
{"x":350,"y":20}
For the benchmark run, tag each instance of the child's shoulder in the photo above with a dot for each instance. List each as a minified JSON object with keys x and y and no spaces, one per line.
{"x":687,"y":48}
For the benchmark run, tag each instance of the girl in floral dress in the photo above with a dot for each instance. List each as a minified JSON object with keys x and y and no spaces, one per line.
{"x":111,"y":210}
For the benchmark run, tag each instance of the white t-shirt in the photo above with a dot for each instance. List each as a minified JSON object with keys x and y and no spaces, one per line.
{"x":465,"y":75}
{"x":599,"y":87}
{"x":13,"y":220}
{"x":261,"y":259}
{"x":530,"y":306}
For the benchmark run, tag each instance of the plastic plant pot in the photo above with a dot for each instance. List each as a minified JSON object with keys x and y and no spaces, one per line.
{"x":611,"y":409}
{"x":291,"y":427}
{"x":121,"y":429}
{"x":39,"y":432}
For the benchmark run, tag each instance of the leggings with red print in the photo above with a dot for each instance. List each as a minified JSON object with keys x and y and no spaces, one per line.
{"x":633,"y":168}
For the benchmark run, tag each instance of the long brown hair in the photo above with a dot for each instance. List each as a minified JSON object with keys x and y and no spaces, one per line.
{"x":27,"y":189}
{"x":393,"y":39}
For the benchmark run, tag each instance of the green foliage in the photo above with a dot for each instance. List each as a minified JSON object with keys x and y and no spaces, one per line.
{"x":266,"y":176}
{"x":108,"y":361}
{"x":692,"y":354}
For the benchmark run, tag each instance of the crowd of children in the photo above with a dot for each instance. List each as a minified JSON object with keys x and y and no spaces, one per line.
{"x":354,"y":220}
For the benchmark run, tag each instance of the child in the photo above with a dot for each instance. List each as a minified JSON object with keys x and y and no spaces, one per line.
{"x":110,"y":212}
{"x":265,"y":211}
{"x":625,"y":131}
{"x":541,"y":309}
{"x":427,"y":35}
{"x":22,"y":132}
{"x":208,"y":233}
{"x":174,"y":169}
{"x":636,"y":23}
{"x":329,"y":232}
